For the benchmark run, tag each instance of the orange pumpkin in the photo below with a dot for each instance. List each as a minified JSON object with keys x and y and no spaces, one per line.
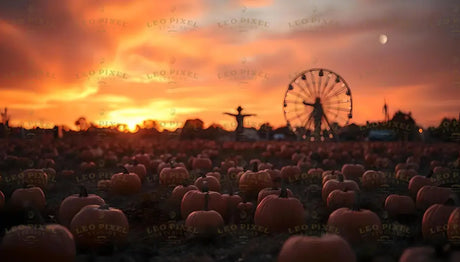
{"x":430,"y":195}
{"x":173,"y":176}
{"x":278,"y":213}
{"x":97,"y":226}
{"x":212,"y":182}
{"x":290,"y":173}
{"x":341,"y":184}
{"x":36,"y":177}
{"x":138,"y":169}
{"x":251,"y":182}
{"x":330,"y":174}
{"x":417,"y":182}
{"x":203,"y":163}
{"x":31,"y":242}
{"x":104,"y":185}
{"x":353,"y":171}
{"x":28,"y":197}
{"x":271,"y":191}
{"x":232,"y":202}
{"x":125,"y":183}
{"x":319,"y":249}
{"x":205,"y":222}
{"x":214,"y":174}
{"x":194,"y":200}
{"x":406,"y":174}
{"x":453,"y":227}
{"x":397,"y":205}
{"x":74,"y":203}
{"x":418,"y":254}
{"x":435,"y":222}
{"x":355,"y":225}
{"x":2,"y":200}
{"x":179,"y":192}
{"x":372,"y":179}
{"x":338,"y":199}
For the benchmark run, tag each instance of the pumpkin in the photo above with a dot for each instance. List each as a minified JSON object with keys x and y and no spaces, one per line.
{"x":104,"y":185}
{"x":194,"y":200}
{"x":278,"y":213}
{"x":315,"y":175}
{"x":341,"y":184}
{"x":232,"y":202}
{"x":179,"y":192}
{"x":28,"y":197}
{"x":406,"y":174}
{"x":399,"y":205}
{"x":338,"y":199}
{"x":263,"y":166}
{"x":353,"y":171}
{"x":225,"y":165}
{"x":453,"y":227}
{"x":52,"y":242}
{"x":275,"y":175}
{"x":88,"y":166}
{"x":233,"y":172}
{"x":212,"y":182}
{"x":97,"y":226}
{"x":74,"y":203}
{"x":435,"y":222}
{"x":251,"y":182}
{"x":142,"y":158}
{"x":202,"y":163}
{"x":326,"y":248}
{"x":214,"y":174}
{"x":417,"y":182}
{"x":138,"y":169}
{"x":290,"y":173}
{"x":205,"y":222}
{"x":372,"y":179}
{"x":271,"y":191}
{"x":173,"y":176}
{"x":125,"y":183}
{"x":330,"y":174}
{"x":355,"y":225}
{"x":430,"y":195}
{"x":2,"y":200}
{"x":36,"y":177}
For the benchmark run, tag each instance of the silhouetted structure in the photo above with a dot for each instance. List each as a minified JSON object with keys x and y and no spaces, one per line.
{"x":240,"y":122}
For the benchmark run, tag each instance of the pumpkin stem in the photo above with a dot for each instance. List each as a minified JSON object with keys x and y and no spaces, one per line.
{"x":206,"y":201}
{"x":205,"y":187}
{"x":283,"y":192}
{"x":452,"y":201}
{"x":83,"y":191}
{"x":104,"y":207}
{"x":254,"y":166}
{"x":357,"y":203}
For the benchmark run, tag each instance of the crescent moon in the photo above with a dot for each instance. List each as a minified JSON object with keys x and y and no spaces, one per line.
{"x":383,"y":39}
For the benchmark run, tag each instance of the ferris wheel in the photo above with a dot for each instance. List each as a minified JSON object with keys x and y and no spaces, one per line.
{"x":317,"y":101}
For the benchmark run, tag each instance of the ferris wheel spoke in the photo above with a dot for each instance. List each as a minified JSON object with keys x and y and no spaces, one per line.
{"x":313,"y":83}
{"x":297,"y":115}
{"x":307,"y":84}
{"x":293,"y":102}
{"x":303,"y":89}
{"x":336,"y":102}
{"x":325,"y":85}
{"x":336,"y":93}
{"x":340,"y":109}
{"x":331,"y":87}
{"x":299,"y":95}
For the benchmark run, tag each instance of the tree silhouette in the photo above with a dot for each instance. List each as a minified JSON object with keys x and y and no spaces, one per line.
{"x":82,"y":124}
{"x":192,"y":129}
{"x":265,"y":131}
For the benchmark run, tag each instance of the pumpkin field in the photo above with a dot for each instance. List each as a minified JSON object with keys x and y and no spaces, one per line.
{"x":126,"y":198}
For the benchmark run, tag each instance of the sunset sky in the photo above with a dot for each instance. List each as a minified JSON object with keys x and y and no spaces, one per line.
{"x":119,"y":61}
